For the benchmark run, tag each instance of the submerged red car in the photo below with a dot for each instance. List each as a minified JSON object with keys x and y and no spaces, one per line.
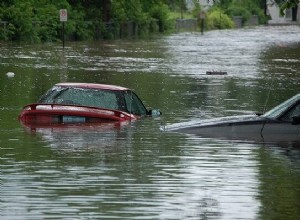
{"x":85,"y":103}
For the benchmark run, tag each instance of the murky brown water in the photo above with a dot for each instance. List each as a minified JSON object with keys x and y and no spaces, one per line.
{"x":137,"y":171}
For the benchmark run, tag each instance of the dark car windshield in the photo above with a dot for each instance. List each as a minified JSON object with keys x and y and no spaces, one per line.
{"x":133,"y":104}
{"x":280,"y":109}
{"x":109,"y":99}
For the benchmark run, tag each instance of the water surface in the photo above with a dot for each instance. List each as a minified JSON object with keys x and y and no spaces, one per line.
{"x":137,"y":171}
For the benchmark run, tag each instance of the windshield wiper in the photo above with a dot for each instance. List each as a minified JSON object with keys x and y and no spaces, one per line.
{"x":59,"y":93}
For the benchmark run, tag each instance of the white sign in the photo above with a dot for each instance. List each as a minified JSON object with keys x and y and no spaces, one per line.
{"x":63,"y":15}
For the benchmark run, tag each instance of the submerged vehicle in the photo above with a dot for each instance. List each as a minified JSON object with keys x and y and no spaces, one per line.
{"x":85,"y":103}
{"x":281,"y":123}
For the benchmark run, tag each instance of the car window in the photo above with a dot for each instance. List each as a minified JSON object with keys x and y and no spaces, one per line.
{"x":50,"y":95}
{"x":133,"y":104}
{"x":87,"y":97}
{"x":280,"y":109}
{"x":295,"y":111}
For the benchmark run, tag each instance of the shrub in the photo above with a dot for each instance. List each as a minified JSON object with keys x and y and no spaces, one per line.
{"x":217,"y":19}
{"x":245,"y":9}
{"x":236,"y":10}
{"x":261,"y":15}
{"x":160,"y":12}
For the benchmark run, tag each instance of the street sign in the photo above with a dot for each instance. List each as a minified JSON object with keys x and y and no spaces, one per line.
{"x":63,"y":15}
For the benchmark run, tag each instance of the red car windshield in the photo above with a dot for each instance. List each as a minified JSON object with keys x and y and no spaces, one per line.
{"x":122,"y":100}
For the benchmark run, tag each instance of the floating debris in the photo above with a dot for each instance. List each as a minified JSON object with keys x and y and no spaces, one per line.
{"x":10,"y":74}
{"x":216,"y":73}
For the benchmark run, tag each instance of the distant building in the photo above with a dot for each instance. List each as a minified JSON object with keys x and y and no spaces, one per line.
{"x":292,"y":15}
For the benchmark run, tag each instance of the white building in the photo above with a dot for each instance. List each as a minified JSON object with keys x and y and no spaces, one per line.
{"x":291,"y":15}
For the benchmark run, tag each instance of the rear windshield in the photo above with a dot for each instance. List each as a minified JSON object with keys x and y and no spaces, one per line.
{"x":126,"y":101}
{"x":86,"y":97}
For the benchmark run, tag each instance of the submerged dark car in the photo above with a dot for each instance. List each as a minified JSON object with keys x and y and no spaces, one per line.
{"x":282,"y":123}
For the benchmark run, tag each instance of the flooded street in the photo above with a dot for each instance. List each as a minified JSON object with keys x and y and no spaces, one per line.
{"x":139,"y":171}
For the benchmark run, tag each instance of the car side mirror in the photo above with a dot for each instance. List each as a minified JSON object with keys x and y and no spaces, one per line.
{"x":296,"y":120}
{"x":154,"y":112}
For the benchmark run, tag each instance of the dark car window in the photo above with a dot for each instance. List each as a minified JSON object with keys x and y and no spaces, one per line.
{"x":134,"y":104}
{"x":51,"y":94}
{"x":295,"y":111}
{"x":280,"y":109}
{"x":118,"y":100}
{"x":87,"y":97}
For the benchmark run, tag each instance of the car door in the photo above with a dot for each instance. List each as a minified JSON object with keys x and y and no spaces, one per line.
{"x":285,"y":128}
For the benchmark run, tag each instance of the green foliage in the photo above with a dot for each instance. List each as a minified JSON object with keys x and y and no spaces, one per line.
{"x":160,"y":13}
{"x":45,"y":23}
{"x":20,"y":25}
{"x":237,"y":10}
{"x":221,"y":3}
{"x":285,"y":4}
{"x":217,"y":19}
{"x":196,"y":11}
{"x":150,"y":16}
{"x":38,"y":20}
{"x":262,"y":18}
{"x":174,"y":5}
{"x":250,"y":7}
{"x":244,"y":8}
{"x":32,"y":20}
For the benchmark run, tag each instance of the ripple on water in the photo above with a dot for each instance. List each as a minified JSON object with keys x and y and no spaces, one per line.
{"x":140,"y":172}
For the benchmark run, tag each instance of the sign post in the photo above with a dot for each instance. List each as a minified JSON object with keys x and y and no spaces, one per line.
{"x":202,"y":17}
{"x":63,"y":17}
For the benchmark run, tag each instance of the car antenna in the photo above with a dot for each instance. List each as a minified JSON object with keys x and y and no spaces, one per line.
{"x":268,"y":96}
{"x":130,"y":105}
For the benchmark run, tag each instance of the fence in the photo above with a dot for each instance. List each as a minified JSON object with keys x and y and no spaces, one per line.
{"x":238,"y":21}
{"x":186,"y":25}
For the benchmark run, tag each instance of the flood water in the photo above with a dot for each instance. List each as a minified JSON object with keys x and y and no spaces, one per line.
{"x":138,"y":171}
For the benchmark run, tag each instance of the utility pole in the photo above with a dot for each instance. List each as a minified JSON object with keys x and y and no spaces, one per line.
{"x":181,"y":8}
{"x":63,"y":16}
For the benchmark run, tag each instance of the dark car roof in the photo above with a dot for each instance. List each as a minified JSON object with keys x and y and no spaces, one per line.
{"x":91,"y":86}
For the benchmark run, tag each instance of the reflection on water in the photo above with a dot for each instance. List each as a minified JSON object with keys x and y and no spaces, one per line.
{"x":137,"y":171}
{"x":145,"y":177}
{"x":73,"y":138}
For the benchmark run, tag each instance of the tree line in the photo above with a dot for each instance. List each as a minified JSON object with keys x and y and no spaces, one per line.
{"x":38,"y":20}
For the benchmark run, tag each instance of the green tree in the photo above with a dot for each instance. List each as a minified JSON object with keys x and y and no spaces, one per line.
{"x":217,"y":19}
{"x":38,"y":20}
{"x":149,"y":15}
{"x":285,"y":4}
{"x":18,"y":14}
{"x":31,"y":20}
{"x":244,"y":8}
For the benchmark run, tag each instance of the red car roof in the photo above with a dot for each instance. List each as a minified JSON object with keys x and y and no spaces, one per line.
{"x":91,"y":86}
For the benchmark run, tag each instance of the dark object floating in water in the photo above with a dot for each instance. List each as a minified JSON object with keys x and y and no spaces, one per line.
{"x":216,"y":73}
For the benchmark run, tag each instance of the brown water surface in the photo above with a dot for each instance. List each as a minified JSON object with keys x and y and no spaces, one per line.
{"x":138,"y":171}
